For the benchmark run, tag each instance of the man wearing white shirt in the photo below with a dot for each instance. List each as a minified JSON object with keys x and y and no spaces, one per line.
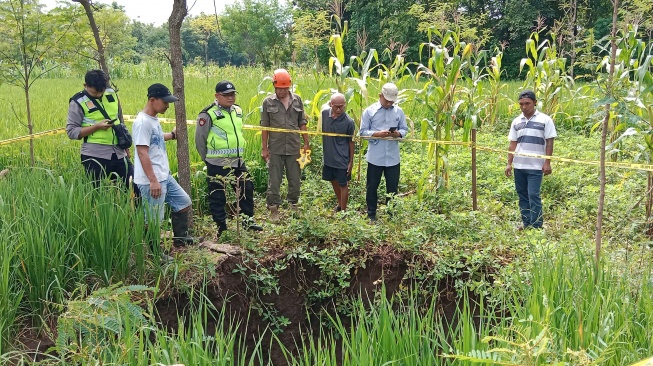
{"x":383,"y":119}
{"x":152,"y":170}
{"x":532,"y":132}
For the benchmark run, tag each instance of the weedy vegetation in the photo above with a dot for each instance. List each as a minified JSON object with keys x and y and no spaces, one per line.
{"x":432,"y":283}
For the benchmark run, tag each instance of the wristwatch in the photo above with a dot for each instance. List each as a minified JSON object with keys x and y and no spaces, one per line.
{"x":174,"y":135}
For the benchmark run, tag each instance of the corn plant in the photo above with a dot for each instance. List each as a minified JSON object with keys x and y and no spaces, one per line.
{"x":446,"y":63}
{"x":546,"y":73}
{"x":398,"y":71}
{"x":632,"y":53}
{"x":357,"y":72}
{"x":473,"y":101}
{"x":493,"y":71}
{"x":636,"y":109}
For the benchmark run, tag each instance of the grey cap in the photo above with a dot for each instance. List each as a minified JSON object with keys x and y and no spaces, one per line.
{"x":390,"y":92}
{"x":528,"y":94}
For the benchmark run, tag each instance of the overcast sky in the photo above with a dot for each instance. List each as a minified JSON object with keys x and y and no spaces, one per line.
{"x":157,"y":11}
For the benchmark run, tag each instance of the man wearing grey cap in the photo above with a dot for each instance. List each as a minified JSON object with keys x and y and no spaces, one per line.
{"x":152,"y":169}
{"x":220,"y":141}
{"x":532,"y":132}
{"x":385,"y":120}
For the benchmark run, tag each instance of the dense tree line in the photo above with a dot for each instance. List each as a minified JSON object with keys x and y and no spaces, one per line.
{"x":278,"y":33}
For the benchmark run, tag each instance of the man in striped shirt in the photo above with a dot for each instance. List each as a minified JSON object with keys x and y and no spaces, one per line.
{"x":532,"y":132}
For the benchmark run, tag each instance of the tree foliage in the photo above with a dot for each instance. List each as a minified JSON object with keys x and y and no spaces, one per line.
{"x":310,"y":31}
{"x":449,"y":16}
{"x":381,"y":24}
{"x":259,"y":29}
{"x":28,"y":47}
{"x":273,"y":32}
{"x":30,"y":40}
{"x":151,"y":41}
{"x":115,"y":30}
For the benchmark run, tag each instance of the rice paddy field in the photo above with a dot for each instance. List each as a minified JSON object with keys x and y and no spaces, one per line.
{"x":433,"y":282}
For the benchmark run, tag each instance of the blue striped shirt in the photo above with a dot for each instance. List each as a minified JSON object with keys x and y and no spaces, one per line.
{"x":531,"y":135}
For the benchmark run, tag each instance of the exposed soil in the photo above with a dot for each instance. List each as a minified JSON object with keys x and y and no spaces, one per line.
{"x":36,"y":345}
{"x":384,"y":267}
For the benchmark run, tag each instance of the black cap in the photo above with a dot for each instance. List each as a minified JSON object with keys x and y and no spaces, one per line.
{"x":527,"y":94}
{"x":225,"y":87}
{"x":162,"y":92}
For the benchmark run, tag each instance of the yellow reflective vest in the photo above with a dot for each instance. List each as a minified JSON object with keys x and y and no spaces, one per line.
{"x":225,"y":139}
{"x":92,"y":115}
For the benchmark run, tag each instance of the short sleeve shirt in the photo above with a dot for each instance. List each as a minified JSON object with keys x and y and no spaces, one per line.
{"x":147,"y":131}
{"x":336,"y":148}
{"x":274,"y":114}
{"x":531,"y":135}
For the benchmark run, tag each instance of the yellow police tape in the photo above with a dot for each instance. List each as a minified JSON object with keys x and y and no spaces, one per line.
{"x":647,"y":362}
{"x":612,"y":164}
{"x":33,"y":136}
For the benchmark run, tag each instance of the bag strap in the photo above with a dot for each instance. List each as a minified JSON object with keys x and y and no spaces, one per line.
{"x":98,"y":105}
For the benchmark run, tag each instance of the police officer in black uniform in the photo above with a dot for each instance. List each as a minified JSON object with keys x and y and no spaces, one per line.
{"x":220,"y":141}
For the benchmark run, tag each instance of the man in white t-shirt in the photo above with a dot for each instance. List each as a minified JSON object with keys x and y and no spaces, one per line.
{"x":152,"y":170}
{"x":532,"y":132}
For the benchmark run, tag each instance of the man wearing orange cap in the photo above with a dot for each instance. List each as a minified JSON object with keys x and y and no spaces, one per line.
{"x":280,"y":150}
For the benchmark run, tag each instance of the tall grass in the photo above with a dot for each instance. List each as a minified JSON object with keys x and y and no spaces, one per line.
{"x":605,"y":314}
{"x":394,"y":332}
{"x":62,"y":231}
{"x":10,"y":292}
{"x":557,"y":311}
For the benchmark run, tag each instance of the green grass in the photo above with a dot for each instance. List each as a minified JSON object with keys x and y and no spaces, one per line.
{"x":61,"y":238}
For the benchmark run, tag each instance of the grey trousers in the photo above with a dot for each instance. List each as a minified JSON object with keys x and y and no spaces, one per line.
{"x":276,"y":168}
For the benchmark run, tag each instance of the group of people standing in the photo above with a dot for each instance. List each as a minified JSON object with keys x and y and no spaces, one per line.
{"x":220,"y":142}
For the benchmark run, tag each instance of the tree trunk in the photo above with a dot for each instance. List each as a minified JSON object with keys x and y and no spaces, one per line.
{"x":30,"y":126}
{"x":179,"y":12}
{"x":206,"y":59}
{"x":96,"y":34}
{"x":604,"y":132}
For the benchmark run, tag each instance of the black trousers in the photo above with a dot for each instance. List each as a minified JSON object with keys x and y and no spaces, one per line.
{"x":114,"y":168}
{"x":218,"y":178}
{"x":374,"y":173}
